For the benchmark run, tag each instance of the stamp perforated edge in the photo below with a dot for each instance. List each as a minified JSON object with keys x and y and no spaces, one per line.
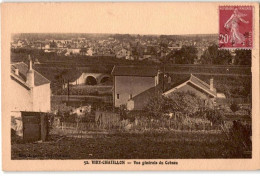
{"x":253,"y":28}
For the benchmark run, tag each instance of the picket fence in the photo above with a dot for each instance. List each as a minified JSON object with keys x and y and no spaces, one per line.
{"x":108,"y":121}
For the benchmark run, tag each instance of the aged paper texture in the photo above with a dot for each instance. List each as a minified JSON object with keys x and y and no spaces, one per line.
{"x":130,"y":86}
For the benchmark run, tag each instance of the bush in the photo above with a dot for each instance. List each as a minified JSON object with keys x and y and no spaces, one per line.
{"x":186,"y":103}
{"x":216,"y":117}
{"x":234,"y":107}
{"x":240,"y":139}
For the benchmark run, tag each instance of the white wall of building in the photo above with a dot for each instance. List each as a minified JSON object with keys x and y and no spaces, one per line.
{"x":21,"y":99}
{"x":42,"y":98}
{"x":35,"y":99}
{"x":130,"y":86}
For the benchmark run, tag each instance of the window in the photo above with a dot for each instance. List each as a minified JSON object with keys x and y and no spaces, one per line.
{"x":117,"y":96}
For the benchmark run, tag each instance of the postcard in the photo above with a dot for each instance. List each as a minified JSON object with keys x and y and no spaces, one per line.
{"x":130,"y":86}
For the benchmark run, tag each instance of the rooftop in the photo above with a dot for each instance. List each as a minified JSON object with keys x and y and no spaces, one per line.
{"x":196,"y":82}
{"x":23,"y":68}
{"x":201,"y":84}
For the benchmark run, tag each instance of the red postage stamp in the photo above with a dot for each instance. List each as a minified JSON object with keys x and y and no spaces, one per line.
{"x":236,"y":27}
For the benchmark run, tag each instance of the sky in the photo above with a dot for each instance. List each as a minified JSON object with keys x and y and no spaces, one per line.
{"x":123,"y":18}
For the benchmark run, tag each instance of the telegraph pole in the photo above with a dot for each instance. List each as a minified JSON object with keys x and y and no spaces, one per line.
{"x":68,"y":93}
{"x":163,"y":73}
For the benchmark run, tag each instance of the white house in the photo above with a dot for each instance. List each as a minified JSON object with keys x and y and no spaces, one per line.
{"x":121,"y":53}
{"x":47,"y":46}
{"x":90,"y":52}
{"x":31,"y":90}
{"x":206,"y":92}
{"x":130,"y":81}
{"x":71,"y":51}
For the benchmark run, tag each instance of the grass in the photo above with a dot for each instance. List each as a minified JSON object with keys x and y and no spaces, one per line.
{"x":169,"y":145}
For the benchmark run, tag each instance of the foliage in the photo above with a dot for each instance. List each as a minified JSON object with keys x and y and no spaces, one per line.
{"x":122,"y":112}
{"x":155,"y":107}
{"x":81,"y":90}
{"x":186,"y":103}
{"x":234,"y":107}
{"x":215,"y":56}
{"x":61,"y":108}
{"x":240,"y":138}
{"x":53,"y":44}
{"x":182,"y":102}
{"x":243,"y":57}
{"x":186,"y":55}
{"x":215,"y":116}
{"x":69,"y":74}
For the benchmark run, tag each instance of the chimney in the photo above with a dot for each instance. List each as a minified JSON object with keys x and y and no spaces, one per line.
{"x":157,"y":78}
{"x":16,"y":71}
{"x":211,"y":84}
{"x":30,"y":63}
{"x":30,"y":74}
{"x":169,"y":80}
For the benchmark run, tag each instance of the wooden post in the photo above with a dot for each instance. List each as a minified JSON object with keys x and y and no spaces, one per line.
{"x":163,"y":74}
{"x":44,"y":127}
{"x":175,"y":121}
{"x":68,"y":86}
{"x":109,"y":124}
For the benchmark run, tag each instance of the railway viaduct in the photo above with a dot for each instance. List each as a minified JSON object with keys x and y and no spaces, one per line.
{"x":91,"y":78}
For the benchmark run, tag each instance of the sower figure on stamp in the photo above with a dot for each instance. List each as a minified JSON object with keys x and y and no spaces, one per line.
{"x":233,"y":24}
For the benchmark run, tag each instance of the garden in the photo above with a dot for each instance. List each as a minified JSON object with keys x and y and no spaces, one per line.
{"x":176,"y":128}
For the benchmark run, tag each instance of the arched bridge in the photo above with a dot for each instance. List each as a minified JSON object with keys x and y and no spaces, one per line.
{"x":91,"y":78}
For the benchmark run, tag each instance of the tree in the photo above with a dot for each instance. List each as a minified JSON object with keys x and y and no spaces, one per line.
{"x":243,"y":57}
{"x":53,"y":44}
{"x":184,"y":102}
{"x":64,"y":76}
{"x":234,"y":107}
{"x":215,"y":56}
{"x":240,"y":138}
{"x":137,"y":51}
{"x":153,"y":50}
{"x":155,"y":107}
{"x":186,"y":55}
{"x":214,"y":116}
{"x":83,"y":51}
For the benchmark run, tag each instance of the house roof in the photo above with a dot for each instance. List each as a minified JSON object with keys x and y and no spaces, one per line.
{"x":197,"y":83}
{"x":143,"y":71}
{"x":144,"y":97}
{"x":147,"y":93}
{"x":201,"y":83}
{"x":23,"y":68}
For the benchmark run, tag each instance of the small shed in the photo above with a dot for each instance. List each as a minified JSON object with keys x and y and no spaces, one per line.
{"x":33,"y":127}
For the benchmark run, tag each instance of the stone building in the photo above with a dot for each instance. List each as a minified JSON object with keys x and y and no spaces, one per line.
{"x":129,"y":81}
{"x":31,"y":90}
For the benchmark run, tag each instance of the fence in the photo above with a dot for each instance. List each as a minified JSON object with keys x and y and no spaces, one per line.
{"x":109,"y":121}
{"x":102,"y":122}
{"x":177,"y":121}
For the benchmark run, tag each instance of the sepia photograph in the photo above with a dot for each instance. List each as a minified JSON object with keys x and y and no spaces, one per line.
{"x":121,"y":96}
{"x":107,"y":96}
